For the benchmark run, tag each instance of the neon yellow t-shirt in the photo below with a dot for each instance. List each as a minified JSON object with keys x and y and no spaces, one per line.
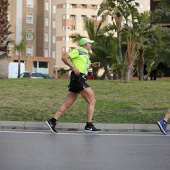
{"x":80,"y":59}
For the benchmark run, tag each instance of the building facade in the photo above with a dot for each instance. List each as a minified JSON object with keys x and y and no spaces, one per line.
{"x":52,"y":22}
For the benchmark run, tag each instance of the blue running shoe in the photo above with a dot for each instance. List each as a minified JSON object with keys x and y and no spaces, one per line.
{"x":162,"y":125}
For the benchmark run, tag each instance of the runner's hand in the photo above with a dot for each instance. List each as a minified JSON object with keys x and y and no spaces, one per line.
{"x":76,"y":71}
{"x":96,"y":64}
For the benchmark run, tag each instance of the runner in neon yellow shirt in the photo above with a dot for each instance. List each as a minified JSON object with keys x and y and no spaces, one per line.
{"x":78,"y":60}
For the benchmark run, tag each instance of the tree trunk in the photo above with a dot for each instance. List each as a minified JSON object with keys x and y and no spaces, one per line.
{"x":141,"y":64}
{"x":19,"y":61}
{"x":4,"y":33}
{"x":129,"y":71}
{"x":4,"y":66}
{"x":107,"y":73}
{"x":130,"y":58}
{"x":119,"y":46}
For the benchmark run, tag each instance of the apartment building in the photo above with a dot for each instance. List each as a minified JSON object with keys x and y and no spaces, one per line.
{"x":52,"y":22}
{"x":34,"y":16}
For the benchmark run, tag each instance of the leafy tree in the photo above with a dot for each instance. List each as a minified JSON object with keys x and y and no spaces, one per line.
{"x":163,"y":18}
{"x":149,"y":36}
{"x":163,"y":11}
{"x":113,"y":9}
{"x":165,"y":53}
{"x":136,"y":34}
{"x":105,"y":50}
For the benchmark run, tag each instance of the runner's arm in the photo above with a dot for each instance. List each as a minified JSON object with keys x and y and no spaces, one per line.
{"x":67,"y":60}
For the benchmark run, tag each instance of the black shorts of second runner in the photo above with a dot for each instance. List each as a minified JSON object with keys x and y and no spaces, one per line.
{"x":77,"y":83}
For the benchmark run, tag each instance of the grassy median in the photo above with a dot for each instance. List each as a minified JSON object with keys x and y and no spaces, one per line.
{"x":37,"y":100}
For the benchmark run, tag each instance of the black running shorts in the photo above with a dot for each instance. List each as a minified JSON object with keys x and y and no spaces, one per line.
{"x":77,"y":83}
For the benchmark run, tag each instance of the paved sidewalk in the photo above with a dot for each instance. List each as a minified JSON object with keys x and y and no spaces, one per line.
{"x":80,"y":126}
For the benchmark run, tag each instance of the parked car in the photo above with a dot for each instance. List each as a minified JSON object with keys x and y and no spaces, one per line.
{"x":28,"y":74}
{"x":48,"y":76}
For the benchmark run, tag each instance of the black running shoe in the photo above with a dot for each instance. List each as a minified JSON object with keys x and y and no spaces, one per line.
{"x":51,"y":125}
{"x":91,"y":128}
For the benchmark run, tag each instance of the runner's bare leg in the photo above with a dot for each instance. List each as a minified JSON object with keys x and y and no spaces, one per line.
{"x":88,"y":95}
{"x":71,"y":98}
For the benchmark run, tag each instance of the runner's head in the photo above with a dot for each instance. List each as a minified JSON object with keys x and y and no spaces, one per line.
{"x":86,"y":43}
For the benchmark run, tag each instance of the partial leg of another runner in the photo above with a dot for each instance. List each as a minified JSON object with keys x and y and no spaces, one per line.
{"x":163,"y":123}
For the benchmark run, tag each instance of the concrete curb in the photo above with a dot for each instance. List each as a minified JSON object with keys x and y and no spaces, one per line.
{"x":80,"y":126}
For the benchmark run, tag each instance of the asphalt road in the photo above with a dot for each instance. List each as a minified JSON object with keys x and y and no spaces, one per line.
{"x":42,"y":150}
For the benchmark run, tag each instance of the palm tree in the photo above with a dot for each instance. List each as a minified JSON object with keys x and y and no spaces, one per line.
{"x":165,"y":52}
{"x":120,"y":10}
{"x":162,"y":13}
{"x":111,"y":8}
{"x":148,"y":35}
{"x":4,"y":33}
{"x":105,"y":50}
{"x":20,"y":49}
{"x":135,"y":34}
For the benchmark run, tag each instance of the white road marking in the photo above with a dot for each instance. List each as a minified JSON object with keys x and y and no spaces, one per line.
{"x":82,"y":133}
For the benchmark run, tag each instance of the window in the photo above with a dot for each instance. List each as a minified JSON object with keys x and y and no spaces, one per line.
{"x":21,"y":61}
{"x":43,"y":64}
{"x":29,"y":51}
{"x":46,"y":21}
{"x":46,"y":52}
{"x":94,"y":17}
{"x":71,"y":48}
{"x":83,"y":5}
{"x":29,"y":18}
{"x":54,"y":8}
{"x":66,"y":38}
{"x":83,"y":16}
{"x":41,"y":67}
{"x":94,"y":6}
{"x":46,"y":37}
{"x":137,"y":4}
{"x":29,"y":34}
{"x":73,"y":27}
{"x":66,"y":6}
{"x":67,"y":28}
{"x":66,"y":16}
{"x":53,"y":53}
{"x":66,"y":49}
{"x":54,"y":23}
{"x":73,"y":17}
{"x":46,"y":5}
{"x":30,"y":3}
{"x":72,"y":5}
{"x":53,"y":39}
